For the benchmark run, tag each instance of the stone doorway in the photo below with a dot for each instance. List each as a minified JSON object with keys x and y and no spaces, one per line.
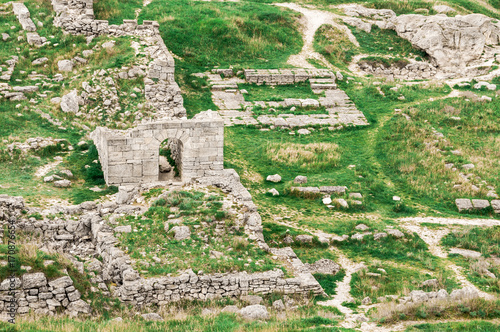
{"x":169,"y":159}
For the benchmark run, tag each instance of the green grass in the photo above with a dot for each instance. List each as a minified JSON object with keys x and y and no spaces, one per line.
{"x":307,"y":252}
{"x":278,"y":92}
{"x":307,"y":319}
{"x":484,"y":240}
{"x":329,"y":282}
{"x":115,"y":11}
{"x":473,"y":326}
{"x":471,"y":309}
{"x":149,"y":238}
{"x":396,"y":281}
{"x":411,"y":249}
{"x":410,"y":152}
{"x":243,"y":34}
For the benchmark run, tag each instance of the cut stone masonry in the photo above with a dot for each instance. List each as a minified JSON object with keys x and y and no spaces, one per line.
{"x":132,"y":157}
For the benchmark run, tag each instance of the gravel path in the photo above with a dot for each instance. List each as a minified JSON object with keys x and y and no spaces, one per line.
{"x":311,"y":21}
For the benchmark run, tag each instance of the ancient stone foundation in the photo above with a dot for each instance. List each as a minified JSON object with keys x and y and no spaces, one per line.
{"x":132,"y":157}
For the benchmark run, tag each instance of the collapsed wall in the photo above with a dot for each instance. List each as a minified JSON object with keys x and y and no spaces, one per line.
{"x":161,"y":90}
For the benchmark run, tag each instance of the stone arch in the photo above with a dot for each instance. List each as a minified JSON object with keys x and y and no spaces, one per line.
{"x":132,"y":157}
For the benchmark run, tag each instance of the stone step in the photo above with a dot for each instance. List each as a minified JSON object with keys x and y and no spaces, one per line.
{"x":316,"y":86}
{"x":222,"y":87}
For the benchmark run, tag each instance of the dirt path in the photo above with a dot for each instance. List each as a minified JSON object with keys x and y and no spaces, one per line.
{"x":433,"y":237}
{"x":43,"y":170}
{"x":452,"y":221}
{"x":343,"y":290}
{"x":311,"y":21}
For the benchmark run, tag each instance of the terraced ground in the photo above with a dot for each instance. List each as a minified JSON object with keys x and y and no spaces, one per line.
{"x":407,"y":164}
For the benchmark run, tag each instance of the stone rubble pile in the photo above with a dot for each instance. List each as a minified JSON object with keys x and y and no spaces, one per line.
{"x":161,"y":90}
{"x":411,"y":71}
{"x":38,"y":143}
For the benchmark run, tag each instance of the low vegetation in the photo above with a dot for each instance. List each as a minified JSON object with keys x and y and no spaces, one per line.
{"x":216,"y":243}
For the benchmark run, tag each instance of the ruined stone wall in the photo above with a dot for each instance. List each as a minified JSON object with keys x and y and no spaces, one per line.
{"x":91,"y":235}
{"x":161,"y":90}
{"x":132,"y":157}
{"x":285,"y":76}
{"x":34,"y":292}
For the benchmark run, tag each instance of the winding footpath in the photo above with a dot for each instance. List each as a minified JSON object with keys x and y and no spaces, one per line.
{"x":311,"y":21}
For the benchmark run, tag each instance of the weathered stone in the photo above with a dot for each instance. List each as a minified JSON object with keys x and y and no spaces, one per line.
{"x":79,"y":306}
{"x":69,"y":102}
{"x":304,"y":238}
{"x":65,"y":65}
{"x":463,"y":204}
{"x":480,"y":204}
{"x":181,"y":232}
{"x":278,"y":305}
{"x":431,"y":283}
{"x":251,"y":299}
{"x":123,"y":229}
{"x":273,"y":192}
{"x":362,"y":227}
{"x":255,"y":312}
{"x":34,"y":280}
{"x":378,"y":236}
{"x":62,"y":183}
{"x":62,"y":282}
{"x":323,"y":266}
{"x":395,"y":232}
{"x":273,"y":178}
{"x":300,"y":179}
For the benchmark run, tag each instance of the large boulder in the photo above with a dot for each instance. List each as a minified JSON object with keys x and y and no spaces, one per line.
{"x":164,"y":165}
{"x":451,"y":42}
{"x":69,"y":102}
{"x":255,"y":312}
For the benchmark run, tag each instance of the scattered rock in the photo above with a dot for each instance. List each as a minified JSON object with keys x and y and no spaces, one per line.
{"x":70,"y":102}
{"x":274,"y":192}
{"x":362,"y":227}
{"x":181,"y":232}
{"x":395,"y":232}
{"x":255,"y":312}
{"x":378,"y":236}
{"x":274,"y":178}
{"x":278,"y":305}
{"x":304,"y":238}
{"x":300,"y":179}
{"x":123,"y":229}
{"x":152,"y":317}
{"x":431,"y":283}
{"x":65,"y":65}
{"x":62,"y":184}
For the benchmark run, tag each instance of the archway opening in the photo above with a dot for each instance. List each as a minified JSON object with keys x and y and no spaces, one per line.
{"x":169,"y":160}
